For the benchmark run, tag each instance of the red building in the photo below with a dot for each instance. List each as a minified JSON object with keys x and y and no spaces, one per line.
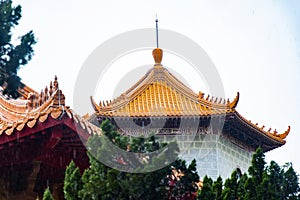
{"x":39,"y":137}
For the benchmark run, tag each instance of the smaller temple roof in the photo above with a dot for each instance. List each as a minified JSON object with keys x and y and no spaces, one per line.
{"x":34,"y":108}
{"x":39,"y":127}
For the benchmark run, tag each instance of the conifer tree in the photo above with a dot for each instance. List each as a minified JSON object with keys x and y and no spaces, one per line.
{"x":230,"y":191}
{"x":217,"y":188}
{"x":104,"y":182}
{"x":263,"y":182}
{"x":253,"y":188}
{"x":72,"y":182}
{"x":207,"y":191}
{"x":12,"y":56}
{"x":290,"y":183}
{"x":241,"y":186}
{"x":184,"y":187}
{"x":47,"y":195}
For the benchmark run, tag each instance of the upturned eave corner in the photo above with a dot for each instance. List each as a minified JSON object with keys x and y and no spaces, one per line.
{"x":269,"y":133}
{"x":286,"y":133}
{"x":235,"y":101}
{"x":94,"y":104}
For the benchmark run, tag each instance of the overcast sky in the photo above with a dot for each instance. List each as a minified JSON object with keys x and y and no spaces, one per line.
{"x":254,"y":45}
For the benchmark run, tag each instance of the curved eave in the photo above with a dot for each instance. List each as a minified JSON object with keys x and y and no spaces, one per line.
{"x":58,"y":130}
{"x":159,"y":80}
{"x":16,"y":110}
{"x":188,"y":114}
{"x":30,"y":103}
{"x":25,"y":91}
{"x":38,"y":121}
{"x":272,"y":135}
{"x":18,"y":115}
{"x":198,"y":108}
{"x":11,"y":109}
{"x":252,"y":135}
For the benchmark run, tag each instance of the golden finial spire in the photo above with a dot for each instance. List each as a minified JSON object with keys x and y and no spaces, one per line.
{"x":157,"y":52}
{"x":156,"y":22}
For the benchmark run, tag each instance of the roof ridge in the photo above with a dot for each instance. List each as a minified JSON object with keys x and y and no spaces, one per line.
{"x":14,"y":110}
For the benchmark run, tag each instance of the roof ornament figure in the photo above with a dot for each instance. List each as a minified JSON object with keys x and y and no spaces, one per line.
{"x":157,"y":52}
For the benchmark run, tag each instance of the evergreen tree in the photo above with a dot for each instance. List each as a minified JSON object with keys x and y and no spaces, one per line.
{"x":253,"y":188}
{"x":184,"y":186}
{"x":12,"y":56}
{"x":217,"y":188}
{"x":230,"y":191}
{"x":263,"y":182}
{"x":257,"y":167}
{"x":271,"y":185}
{"x":241,"y":186}
{"x":104,"y":182}
{"x":290,"y":183}
{"x":47,"y":195}
{"x":207,"y":192}
{"x":72,"y":182}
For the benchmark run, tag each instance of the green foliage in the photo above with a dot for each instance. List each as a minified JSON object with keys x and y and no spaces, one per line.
{"x":47,"y":195}
{"x":253,"y":185}
{"x":290,"y":183}
{"x":185,"y":187}
{"x":270,"y":182}
{"x":207,"y":191}
{"x":231,"y":186}
{"x":211,"y":189}
{"x":108,"y":183}
{"x":217,"y":188}
{"x":100,"y":181}
{"x":241,"y":186}
{"x":12,"y":56}
{"x":264,"y":182}
{"x":72,"y":182}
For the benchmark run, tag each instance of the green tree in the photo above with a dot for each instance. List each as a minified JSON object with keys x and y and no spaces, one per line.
{"x":290,"y":183}
{"x":47,"y":195}
{"x":12,"y":56}
{"x":184,"y":185}
{"x":271,"y":185}
{"x":241,"y":186}
{"x":104,"y":182}
{"x":230,"y":191}
{"x":253,"y":185}
{"x":263,"y":182}
{"x":72,"y":182}
{"x":207,"y":192}
{"x":217,"y":188}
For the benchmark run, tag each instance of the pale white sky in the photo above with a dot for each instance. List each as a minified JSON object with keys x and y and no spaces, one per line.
{"x":254,"y":44}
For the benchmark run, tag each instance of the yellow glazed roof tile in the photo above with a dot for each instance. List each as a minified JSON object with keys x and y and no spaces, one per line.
{"x":159,"y":93}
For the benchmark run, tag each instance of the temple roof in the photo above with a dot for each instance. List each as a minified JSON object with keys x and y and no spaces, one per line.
{"x":160,"y":94}
{"x":34,"y":108}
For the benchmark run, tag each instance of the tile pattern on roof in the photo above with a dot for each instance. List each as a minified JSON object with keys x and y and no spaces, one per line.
{"x":159,"y":93}
{"x":38,"y":107}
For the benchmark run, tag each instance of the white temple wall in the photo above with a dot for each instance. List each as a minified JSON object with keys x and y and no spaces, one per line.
{"x":215,"y":155}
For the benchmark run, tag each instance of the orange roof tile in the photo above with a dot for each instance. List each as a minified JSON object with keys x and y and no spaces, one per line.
{"x":20,"y":113}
